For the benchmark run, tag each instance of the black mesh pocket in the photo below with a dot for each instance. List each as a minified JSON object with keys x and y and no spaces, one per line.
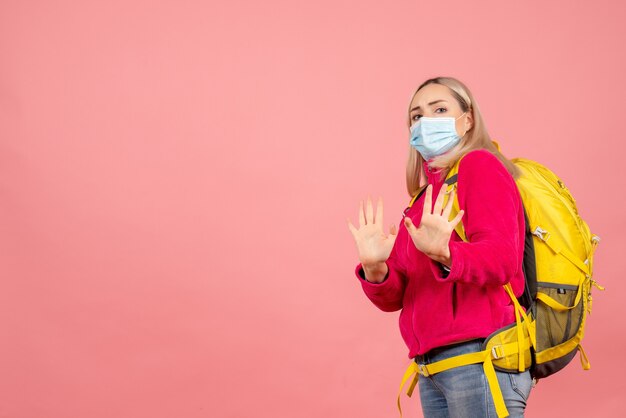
{"x":555,"y":327}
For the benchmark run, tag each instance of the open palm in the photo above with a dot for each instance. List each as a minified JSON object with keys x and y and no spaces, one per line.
{"x":433,"y":233}
{"x":373,"y":245}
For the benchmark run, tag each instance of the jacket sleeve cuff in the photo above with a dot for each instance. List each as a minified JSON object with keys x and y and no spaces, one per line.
{"x":361,"y":274}
{"x":386,"y":295}
{"x":456,"y":269}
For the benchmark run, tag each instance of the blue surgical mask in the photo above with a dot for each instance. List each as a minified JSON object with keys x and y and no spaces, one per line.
{"x":434,"y":136}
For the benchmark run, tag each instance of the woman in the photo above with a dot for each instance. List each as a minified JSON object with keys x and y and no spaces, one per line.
{"x":450,"y":291}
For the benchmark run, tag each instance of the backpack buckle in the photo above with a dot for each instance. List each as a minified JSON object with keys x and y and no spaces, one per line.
{"x":495,"y":352}
{"x":421,"y":369}
{"x":540,"y":233}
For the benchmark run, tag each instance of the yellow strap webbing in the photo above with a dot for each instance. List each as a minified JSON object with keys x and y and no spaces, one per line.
{"x":416,"y":196}
{"x":518,"y":326}
{"x":412,"y":369}
{"x":583,"y":358}
{"x":527,"y":323}
{"x":455,"y":210}
{"x":567,"y":254}
{"x":492,"y":379}
{"x":463,"y":360}
{"x":556,"y":305}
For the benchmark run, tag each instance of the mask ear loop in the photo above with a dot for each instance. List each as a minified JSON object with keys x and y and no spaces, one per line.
{"x":467,"y":129}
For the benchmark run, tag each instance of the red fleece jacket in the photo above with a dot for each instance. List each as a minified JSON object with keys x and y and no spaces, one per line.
{"x":470,"y":302}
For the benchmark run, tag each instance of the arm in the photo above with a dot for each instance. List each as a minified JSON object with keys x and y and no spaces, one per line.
{"x":488,"y":194}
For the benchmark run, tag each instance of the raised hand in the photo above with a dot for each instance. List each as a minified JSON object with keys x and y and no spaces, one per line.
{"x":433,"y":234}
{"x":373,"y":245}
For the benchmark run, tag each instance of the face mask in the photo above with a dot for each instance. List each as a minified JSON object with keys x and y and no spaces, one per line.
{"x":434,"y":136}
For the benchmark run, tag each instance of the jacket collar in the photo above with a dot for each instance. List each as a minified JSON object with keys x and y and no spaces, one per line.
{"x":433,"y":174}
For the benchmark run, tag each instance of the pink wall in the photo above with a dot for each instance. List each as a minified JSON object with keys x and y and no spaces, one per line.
{"x":175,"y":178}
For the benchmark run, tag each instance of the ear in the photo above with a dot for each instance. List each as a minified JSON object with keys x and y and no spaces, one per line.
{"x":469,"y":121}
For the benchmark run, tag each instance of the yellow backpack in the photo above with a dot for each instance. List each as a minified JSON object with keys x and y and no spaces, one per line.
{"x":558,"y":267}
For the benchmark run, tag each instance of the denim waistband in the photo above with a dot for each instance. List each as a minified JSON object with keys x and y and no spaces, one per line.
{"x":426,"y":357}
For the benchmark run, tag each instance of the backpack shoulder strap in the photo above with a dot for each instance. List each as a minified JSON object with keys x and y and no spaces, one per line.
{"x":451,"y":183}
{"x":417,"y":195}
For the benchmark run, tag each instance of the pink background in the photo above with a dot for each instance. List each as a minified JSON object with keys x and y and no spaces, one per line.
{"x":175,"y":178}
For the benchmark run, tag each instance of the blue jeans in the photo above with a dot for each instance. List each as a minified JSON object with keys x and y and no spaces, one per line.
{"x":463,"y":392}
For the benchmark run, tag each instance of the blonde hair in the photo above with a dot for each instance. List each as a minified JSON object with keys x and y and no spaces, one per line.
{"x":476,"y":137}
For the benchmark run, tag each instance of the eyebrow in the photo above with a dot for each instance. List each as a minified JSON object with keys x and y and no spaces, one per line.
{"x":429,"y":104}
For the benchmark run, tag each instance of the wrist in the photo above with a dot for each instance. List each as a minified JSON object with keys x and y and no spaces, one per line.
{"x":445,"y":260}
{"x":375,"y":272}
{"x":446,"y":257}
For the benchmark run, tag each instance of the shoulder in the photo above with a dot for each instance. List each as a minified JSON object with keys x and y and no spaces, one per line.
{"x":482,"y":169}
{"x":480,"y":158}
{"x":480,"y":162}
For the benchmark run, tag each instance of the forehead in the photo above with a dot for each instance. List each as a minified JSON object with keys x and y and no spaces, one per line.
{"x":430,"y":93}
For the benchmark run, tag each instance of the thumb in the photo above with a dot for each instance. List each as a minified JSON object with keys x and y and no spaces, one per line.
{"x":393,"y":230}
{"x":457,"y":218}
{"x":410,"y":226}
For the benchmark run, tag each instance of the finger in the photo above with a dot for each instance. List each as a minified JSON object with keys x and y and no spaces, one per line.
{"x":428,"y":200}
{"x":392,"y":237}
{"x":378,"y":219}
{"x":448,"y":208}
{"x":393,"y":230}
{"x":352,"y":228}
{"x":369,"y":213}
{"x":361,"y":215}
{"x":457,"y":218}
{"x":408,"y":223}
{"x":439,"y":201}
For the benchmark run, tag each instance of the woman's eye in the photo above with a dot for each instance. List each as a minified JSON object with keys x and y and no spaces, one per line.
{"x":416,"y":117}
